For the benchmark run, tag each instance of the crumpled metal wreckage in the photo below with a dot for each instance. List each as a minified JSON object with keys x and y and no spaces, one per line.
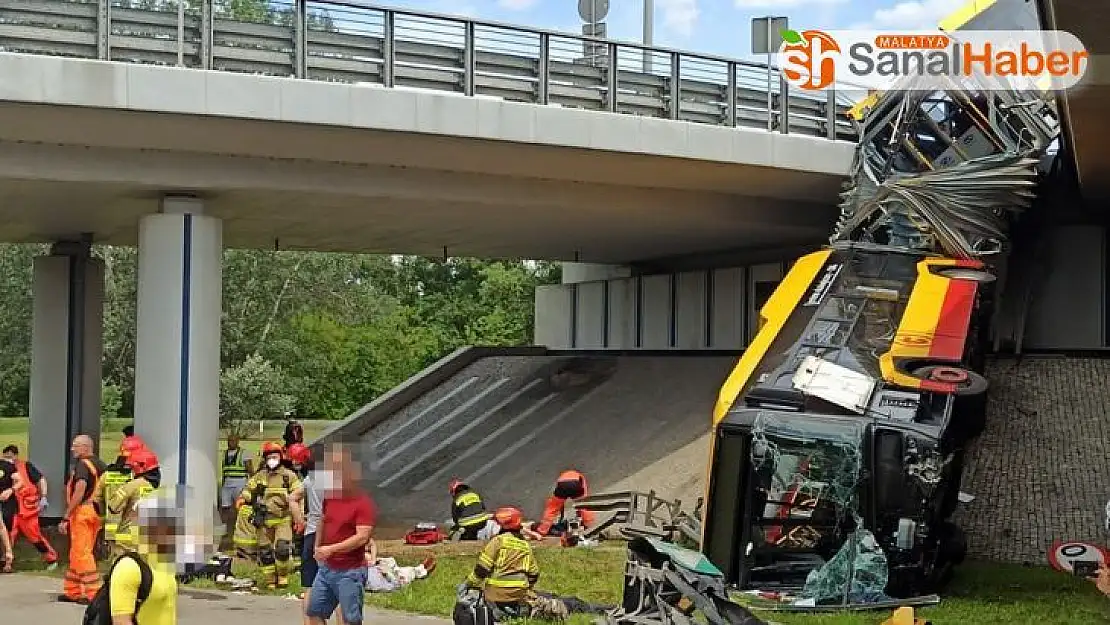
{"x":945,"y":171}
{"x":668,"y":584}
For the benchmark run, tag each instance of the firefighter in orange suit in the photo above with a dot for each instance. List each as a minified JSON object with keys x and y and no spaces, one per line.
{"x":82,"y":523}
{"x":570,"y":485}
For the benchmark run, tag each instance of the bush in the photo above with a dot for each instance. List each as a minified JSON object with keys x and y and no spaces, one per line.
{"x":250,"y":392}
{"x":111,"y":401}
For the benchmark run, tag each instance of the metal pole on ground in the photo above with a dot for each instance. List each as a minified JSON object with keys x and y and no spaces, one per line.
{"x":649,"y":28}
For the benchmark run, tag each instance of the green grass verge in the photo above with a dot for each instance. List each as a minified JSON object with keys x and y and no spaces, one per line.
{"x":13,"y":430}
{"x":981,"y":594}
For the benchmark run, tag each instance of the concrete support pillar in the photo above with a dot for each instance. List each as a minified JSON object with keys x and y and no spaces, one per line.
{"x":574,"y":273}
{"x":67,"y":339}
{"x":177,"y":354}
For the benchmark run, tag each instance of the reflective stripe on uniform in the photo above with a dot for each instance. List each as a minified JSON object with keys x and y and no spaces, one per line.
{"x":236,"y":468}
{"x":472,"y":511}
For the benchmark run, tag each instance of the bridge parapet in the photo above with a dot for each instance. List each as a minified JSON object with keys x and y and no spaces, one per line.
{"x":356,"y":43}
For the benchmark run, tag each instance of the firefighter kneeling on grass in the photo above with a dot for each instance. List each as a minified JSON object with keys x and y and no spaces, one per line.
{"x":504,"y":579}
{"x":269,"y":508}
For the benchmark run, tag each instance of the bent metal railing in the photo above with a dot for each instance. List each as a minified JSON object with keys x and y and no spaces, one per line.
{"x":355,"y":43}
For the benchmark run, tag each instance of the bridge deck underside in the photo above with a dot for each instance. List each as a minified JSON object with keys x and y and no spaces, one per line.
{"x":67,"y":170}
{"x":1087,"y":105}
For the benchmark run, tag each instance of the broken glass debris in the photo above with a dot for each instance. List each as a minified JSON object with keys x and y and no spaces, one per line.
{"x":856,"y":574}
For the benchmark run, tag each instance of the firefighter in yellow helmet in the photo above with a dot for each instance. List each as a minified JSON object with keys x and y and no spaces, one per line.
{"x":271,"y":497}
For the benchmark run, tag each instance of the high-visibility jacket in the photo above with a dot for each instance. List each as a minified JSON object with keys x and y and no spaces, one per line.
{"x":113,"y":479}
{"x":28,"y":496}
{"x":122,"y":505}
{"x":506,"y":570}
{"x":468,"y":509}
{"x":234,"y":465}
{"x":278,"y":485}
{"x":82,"y":580}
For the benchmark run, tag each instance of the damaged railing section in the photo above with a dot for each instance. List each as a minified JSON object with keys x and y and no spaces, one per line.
{"x":945,"y":171}
{"x":638,"y":514}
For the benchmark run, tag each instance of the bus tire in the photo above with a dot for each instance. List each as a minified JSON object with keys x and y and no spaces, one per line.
{"x":973,"y":384}
{"x":978,"y":276}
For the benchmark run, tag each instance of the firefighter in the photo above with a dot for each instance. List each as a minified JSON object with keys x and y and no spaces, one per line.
{"x":81,"y":522}
{"x":273,"y":494}
{"x":143,"y":482}
{"x":468,"y":513}
{"x":570,"y":485}
{"x":506,"y":574}
{"x":115,"y":476}
{"x":300,"y":460}
{"x":31,"y":499}
{"x":234,"y":471}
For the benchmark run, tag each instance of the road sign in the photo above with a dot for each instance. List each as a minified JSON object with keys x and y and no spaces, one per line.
{"x":592,"y":11}
{"x":766,"y":33}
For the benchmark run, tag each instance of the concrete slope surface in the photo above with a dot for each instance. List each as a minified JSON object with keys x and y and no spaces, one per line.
{"x":627,"y":422}
{"x":1039,"y":471}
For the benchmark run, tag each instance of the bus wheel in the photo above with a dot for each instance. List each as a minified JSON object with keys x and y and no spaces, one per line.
{"x":964,"y":273}
{"x":967,"y":382}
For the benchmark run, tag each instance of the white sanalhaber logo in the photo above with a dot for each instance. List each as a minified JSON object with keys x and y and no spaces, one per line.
{"x":1047,"y":60}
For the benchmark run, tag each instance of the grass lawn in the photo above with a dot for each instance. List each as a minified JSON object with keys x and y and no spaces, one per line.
{"x":981,"y":594}
{"x":13,"y":430}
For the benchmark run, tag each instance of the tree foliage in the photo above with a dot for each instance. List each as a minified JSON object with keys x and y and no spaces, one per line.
{"x":313,"y":333}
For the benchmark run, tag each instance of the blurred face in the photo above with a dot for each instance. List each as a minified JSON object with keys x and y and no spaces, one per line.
{"x":345,"y":473}
{"x":10,"y":457}
{"x":232,"y":442}
{"x":162,"y":536}
{"x":80,"y":448}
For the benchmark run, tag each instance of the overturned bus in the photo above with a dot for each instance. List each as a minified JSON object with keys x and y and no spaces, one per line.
{"x":839,"y":437}
{"x":852,"y":409}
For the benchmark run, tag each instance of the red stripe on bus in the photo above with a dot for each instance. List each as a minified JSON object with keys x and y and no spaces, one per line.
{"x":955,"y":318}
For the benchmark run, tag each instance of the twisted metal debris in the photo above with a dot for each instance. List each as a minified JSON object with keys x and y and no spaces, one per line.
{"x":945,"y":171}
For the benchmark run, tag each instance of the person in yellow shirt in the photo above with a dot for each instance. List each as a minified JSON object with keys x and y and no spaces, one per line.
{"x":145,"y":479}
{"x":160,"y":522}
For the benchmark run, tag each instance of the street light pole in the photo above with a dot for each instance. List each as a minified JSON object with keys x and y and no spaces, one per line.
{"x":649,"y":27}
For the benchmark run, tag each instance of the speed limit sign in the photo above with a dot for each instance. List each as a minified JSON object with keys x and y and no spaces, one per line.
{"x":1063,"y":555}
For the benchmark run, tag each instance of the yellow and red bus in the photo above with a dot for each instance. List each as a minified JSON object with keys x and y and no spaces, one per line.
{"x":848,"y":413}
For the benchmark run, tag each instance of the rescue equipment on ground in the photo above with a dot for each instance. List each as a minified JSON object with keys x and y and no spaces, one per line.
{"x":424,"y":534}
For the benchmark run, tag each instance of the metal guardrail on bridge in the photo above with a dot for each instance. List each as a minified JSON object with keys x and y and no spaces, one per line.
{"x":354,"y":43}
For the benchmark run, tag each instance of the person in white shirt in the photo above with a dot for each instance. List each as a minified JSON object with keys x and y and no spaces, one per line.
{"x":385,"y":575}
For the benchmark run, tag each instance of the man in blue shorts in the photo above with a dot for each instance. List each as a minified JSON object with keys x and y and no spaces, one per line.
{"x":347,"y":518}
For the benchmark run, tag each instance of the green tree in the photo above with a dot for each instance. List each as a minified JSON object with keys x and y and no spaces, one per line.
{"x":250,"y":392}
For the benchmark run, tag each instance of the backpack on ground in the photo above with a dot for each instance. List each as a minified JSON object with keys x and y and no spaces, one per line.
{"x":99,"y":610}
{"x":470,"y":611}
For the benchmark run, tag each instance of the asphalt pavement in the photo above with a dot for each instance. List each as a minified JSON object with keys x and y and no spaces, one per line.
{"x":32,"y":599}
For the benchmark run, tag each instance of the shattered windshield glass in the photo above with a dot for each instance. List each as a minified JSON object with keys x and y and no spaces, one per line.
{"x":810,"y":469}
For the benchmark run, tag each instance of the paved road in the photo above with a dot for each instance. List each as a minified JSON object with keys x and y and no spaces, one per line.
{"x":31,"y":599}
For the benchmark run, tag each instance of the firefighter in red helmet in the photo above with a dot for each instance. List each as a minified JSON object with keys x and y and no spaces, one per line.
{"x":569,"y":486}
{"x":468,"y":513}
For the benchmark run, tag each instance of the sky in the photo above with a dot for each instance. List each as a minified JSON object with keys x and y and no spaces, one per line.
{"x":718,"y":27}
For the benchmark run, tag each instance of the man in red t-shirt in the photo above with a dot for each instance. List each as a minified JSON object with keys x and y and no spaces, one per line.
{"x":347,"y":518}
